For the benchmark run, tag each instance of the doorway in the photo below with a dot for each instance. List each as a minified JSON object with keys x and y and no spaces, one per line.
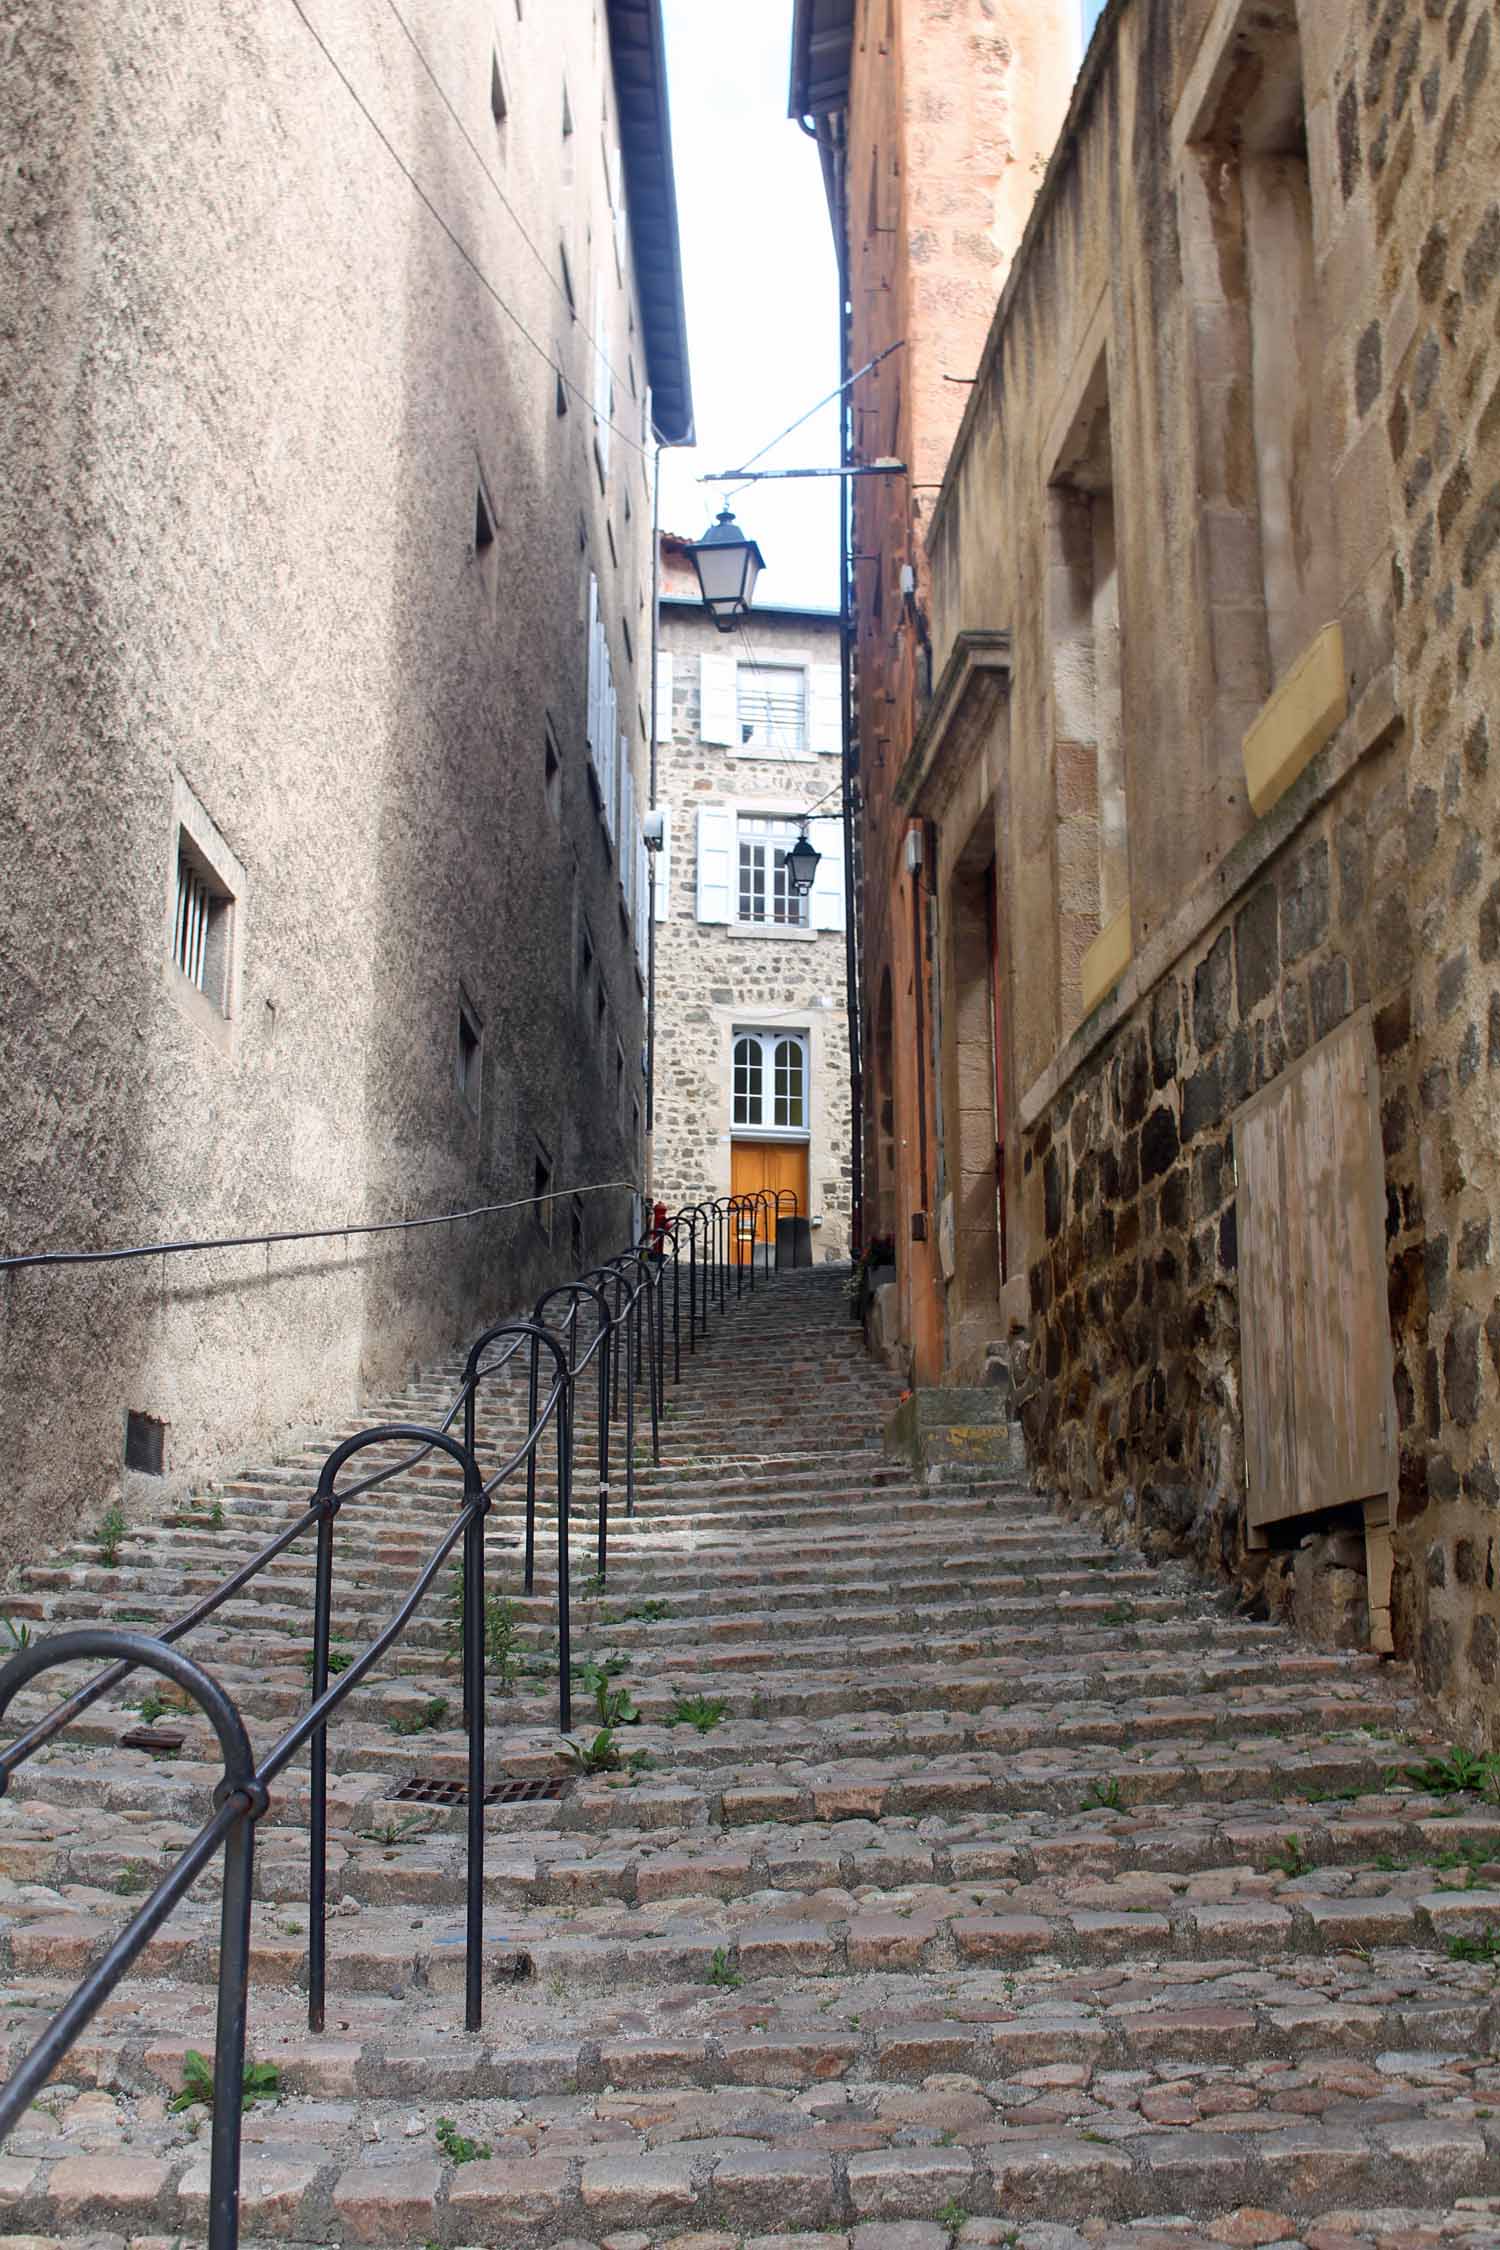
{"x":976,"y":1096}
{"x":765,"y":1164}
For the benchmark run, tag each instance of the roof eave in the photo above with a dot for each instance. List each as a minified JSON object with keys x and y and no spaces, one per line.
{"x":638,"y":51}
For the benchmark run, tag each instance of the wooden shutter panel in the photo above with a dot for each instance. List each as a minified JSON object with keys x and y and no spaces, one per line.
{"x":826,"y":903}
{"x":664,"y":866}
{"x":718,"y":719}
{"x":596,"y":675}
{"x":627,"y":826}
{"x":1314,"y":1325}
{"x":827,"y":730}
{"x":663,"y":726}
{"x":715,"y":871}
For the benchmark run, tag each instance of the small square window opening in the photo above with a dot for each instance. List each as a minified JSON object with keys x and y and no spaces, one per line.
{"x":470,"y":1056}
{"x":552,"y":774}
{"x":541,"y":1175}
{"x":201,"y":925}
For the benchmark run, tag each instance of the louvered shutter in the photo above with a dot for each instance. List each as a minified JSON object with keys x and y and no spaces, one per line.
{"x":715,"y":873}
{"x":827,"y":709}
{"x":596,"y":673}
{"x":826,"y":904}
{"x":627,"y":826}
{"x":608,"y":749}
{"x":642,"y":900}
{"x":718,"y":719}
{"x":663,"y":695}
{"x":664,"y":866}
{"x":602,"y":381}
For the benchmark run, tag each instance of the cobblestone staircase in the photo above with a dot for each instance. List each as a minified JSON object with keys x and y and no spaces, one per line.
{"x":1018,"y":1894}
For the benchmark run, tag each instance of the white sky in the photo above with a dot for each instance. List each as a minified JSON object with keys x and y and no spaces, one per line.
{"x":761,"y":286}
{"x":762,"y":289}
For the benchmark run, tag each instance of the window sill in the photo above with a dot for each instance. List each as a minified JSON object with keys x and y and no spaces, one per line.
{"x":777,"y":932}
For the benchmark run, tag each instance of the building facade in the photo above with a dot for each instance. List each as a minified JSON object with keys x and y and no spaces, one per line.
{"x":751,"y":1072}
{"x":336,"y":359}
{"x":1205,"y":809}
{"x":934,"y":120}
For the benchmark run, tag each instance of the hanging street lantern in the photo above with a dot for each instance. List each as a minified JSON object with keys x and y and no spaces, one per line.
{"x":802,"y":864}
{"x":728,"y":565}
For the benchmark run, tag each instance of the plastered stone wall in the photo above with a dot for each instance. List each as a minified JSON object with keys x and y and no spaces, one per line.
{"x":953,"y":105}
{"x":250,"y":392}
{"x":710,"y":978}
{"x":1369,"y":881}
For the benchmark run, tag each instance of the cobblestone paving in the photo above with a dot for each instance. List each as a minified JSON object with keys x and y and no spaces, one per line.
{"x":1019,"y":1895}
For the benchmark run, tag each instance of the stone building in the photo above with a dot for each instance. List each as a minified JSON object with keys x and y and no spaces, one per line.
{"x":337,"y":349}
{"x":1206,"y":811}
{"x":751,"y":1075}
{"x":934,"y":119}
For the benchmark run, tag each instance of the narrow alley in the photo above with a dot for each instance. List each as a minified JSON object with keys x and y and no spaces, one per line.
{"x":964,"y":1881}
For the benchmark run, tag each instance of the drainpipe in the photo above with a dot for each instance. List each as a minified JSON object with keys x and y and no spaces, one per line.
{"x":849,"y":752}
{"x":651,"y":857}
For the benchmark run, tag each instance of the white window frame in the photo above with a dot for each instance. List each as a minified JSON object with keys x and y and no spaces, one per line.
{"x":766,"y":1040}
{"x":764,"y":840}
{"x":778,"y":736}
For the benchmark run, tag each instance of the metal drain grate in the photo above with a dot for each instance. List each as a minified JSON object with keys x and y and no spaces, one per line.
{"x":532,"y":1789}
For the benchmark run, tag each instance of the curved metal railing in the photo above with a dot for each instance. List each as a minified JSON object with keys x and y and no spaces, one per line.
{"x":627,"y":1298}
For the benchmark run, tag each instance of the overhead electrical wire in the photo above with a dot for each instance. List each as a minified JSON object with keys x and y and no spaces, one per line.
{"x":520,"y":225}
{"x":477,"y":270}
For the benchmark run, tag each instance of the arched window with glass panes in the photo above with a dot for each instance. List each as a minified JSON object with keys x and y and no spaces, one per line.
{"x":770,"y":1081}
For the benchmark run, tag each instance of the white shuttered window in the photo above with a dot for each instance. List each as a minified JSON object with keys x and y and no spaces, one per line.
{"x":718,"y":717}
{"x":715,"y":845}
{"x":771,"y":705}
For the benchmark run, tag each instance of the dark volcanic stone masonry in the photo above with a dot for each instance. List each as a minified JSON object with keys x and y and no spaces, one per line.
{"x":1020,"y":1895}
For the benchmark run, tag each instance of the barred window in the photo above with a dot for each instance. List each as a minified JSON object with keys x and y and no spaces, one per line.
{"x":772,"y":708}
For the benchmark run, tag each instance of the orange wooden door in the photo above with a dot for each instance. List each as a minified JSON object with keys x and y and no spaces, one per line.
{"x":766,"y":1164}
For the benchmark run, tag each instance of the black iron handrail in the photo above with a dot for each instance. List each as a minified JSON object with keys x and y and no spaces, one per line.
{"x":627,"y":1348}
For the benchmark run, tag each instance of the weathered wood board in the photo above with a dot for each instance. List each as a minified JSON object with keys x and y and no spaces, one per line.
{"x":1315,"y":1342}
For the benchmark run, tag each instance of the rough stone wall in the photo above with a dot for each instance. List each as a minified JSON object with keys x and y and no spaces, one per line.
{"x":1417,"y":104}
{"x":1134,"y":1404}
{"x":250,"y":390}
{"x":710,"y":978}
{"x":1370,"y":879}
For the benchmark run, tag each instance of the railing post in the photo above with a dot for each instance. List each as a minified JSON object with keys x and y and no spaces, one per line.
{"x":656,"y":1314}
{"x":474,"y":1693}
{"x":630,"y":1314}
{"x":564,"y":1589}
{"x":605,"y":1344}
{"x":529,"y":1579}
{"x":229,"y":2036}
{"x":317,"y":1838}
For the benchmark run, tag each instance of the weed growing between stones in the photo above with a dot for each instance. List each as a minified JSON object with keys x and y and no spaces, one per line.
{"x":721,"y":1971}
{"x":502,"y":1654}
{"x":457,"y":2145}
{"x":152,"y":1705}
{"x":701,"y":1711}
{"x":1457,"y":1772}
{"x":429,"y":1714}
{"x":1485,"y":1947}
{"x":262,"y":2083}
{"x":16,"y":1636}
{"x":339,"y":1660}
{"x":110,"y":1533}
{"x":1291,"y":1860}
{"x":1104,"y":1796}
